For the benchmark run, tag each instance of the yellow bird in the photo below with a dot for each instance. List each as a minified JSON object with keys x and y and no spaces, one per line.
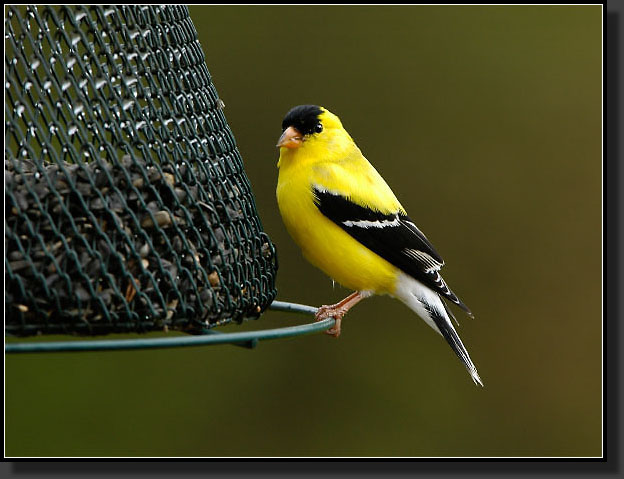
{"x":349,"y":223}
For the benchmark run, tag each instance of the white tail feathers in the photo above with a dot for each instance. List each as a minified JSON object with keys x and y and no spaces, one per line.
{"x":430,"y":307}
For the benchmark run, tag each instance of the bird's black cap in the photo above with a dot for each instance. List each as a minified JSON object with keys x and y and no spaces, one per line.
{"x":303,"y":117}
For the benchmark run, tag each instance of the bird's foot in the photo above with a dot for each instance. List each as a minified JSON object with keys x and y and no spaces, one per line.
{"x":336,"y":311}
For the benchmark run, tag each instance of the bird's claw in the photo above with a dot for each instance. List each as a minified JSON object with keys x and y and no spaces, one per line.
{"x":332,"y":311}
{"x":335,"y":330}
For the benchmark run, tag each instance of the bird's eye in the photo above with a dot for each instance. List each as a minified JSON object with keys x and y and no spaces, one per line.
{"x":318,"y":128}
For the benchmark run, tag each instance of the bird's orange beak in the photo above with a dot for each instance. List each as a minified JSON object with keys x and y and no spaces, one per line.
{"x":291,"y":138}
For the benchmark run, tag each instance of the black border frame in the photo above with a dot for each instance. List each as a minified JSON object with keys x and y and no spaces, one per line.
{"x":609,"y":465}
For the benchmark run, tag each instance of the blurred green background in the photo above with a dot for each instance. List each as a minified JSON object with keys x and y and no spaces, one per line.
{"x":486,"y":122}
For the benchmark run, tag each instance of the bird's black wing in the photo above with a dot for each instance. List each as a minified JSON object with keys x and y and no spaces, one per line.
{"x":394,"y":237}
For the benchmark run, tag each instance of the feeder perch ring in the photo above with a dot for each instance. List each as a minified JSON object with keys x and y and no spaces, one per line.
{"x":248,"y":339}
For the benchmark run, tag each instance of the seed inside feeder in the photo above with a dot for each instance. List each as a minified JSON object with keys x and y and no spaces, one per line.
{"x":168,"y":236}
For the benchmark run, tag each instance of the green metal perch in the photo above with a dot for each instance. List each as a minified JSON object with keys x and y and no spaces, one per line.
{"x":247,"y":339}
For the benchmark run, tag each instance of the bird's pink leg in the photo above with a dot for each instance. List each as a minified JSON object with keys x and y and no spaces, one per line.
{"x":338,"y":310}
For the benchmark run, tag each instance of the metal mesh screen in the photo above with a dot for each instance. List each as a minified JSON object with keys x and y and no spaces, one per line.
{"x":126,"y":204}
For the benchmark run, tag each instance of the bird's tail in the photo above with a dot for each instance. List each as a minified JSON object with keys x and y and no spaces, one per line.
{"x":430,"y":307}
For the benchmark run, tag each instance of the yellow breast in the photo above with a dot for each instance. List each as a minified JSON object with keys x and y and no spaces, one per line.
{"x":323,"y":243}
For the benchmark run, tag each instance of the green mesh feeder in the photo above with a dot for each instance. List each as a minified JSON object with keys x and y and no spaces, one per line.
{"x":127,"y":208}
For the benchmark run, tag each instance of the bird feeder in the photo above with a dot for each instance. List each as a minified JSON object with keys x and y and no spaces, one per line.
{"x":127,"y":208}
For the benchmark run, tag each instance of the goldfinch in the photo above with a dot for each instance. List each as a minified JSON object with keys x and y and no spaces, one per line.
{"x":349,"y":223}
